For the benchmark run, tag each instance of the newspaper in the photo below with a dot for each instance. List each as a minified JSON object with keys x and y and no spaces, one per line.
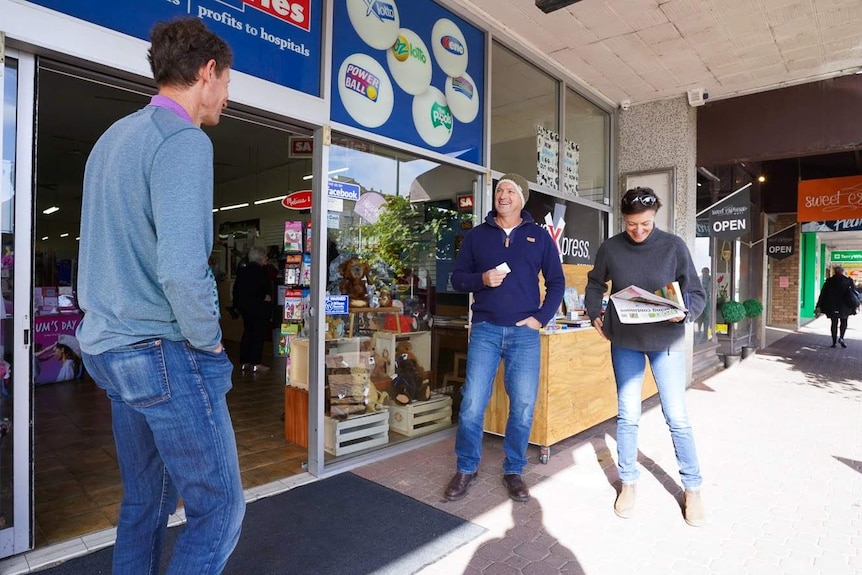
{"x":636,"y":305}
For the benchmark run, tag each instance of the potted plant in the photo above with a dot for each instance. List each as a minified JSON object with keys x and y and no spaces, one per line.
{"x":733,"y":313}
{"x":753,"y":309}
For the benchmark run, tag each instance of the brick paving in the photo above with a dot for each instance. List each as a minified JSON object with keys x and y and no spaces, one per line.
{"x":780,"y":443}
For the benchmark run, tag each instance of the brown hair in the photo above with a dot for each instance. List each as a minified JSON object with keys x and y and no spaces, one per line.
{"x":180,"y":47}
{"x":638,"y":200}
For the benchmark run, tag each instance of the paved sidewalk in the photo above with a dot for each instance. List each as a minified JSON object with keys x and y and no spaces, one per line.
{"x":780,"y":443}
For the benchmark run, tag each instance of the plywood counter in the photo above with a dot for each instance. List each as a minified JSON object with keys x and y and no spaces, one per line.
{"x":576,"y":388}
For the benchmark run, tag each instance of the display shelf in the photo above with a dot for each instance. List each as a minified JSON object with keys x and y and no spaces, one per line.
{"x":356,"y":432}
{"x":421,"y":417}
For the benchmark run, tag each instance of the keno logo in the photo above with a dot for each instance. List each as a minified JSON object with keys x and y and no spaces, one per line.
{"x":381,"y":10}
{"x":451,"y":44}
{"x":296,"y":12}
{"x":362,"y":82}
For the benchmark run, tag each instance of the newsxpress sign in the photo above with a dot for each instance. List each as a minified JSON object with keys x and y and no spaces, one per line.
{"x":575,"y":228}
{"x":730,"y":218}
{"x":276,"y":40}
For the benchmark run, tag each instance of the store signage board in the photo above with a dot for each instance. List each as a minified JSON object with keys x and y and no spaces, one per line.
{"x":301,"y":147}
{"x":342,"y":190}
{"x":850,"y":225}
{"x":337,"y":305}
{"x":845,"y":256}
{"x":300,"y":200}
{"x":575,"y":228}
{"x":829,"y":199}
{"x":731,"y":218}
{"x":411,"y":71}
{"x":781,"y":245}
{"x":276,"y":40}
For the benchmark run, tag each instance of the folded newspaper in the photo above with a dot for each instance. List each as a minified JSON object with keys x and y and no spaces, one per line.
{"x":636,"y":305}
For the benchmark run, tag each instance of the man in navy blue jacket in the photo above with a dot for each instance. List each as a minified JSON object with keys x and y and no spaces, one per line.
{"x":499,"y":262}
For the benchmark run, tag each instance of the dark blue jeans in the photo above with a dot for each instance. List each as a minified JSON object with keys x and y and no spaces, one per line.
{"x":174,"y":439}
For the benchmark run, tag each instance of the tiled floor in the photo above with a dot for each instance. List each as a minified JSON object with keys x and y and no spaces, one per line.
{"x":77,"y":481}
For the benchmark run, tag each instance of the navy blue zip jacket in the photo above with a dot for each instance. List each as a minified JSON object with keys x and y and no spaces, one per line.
{"x":528,"y":250}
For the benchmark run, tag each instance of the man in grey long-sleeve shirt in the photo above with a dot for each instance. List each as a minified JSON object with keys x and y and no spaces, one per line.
{"x":150,"y":336}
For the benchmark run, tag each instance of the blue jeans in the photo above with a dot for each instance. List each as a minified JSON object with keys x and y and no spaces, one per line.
{"x":174,"y":438}
{"x":668,"y":368}
{"x":518,"y":347}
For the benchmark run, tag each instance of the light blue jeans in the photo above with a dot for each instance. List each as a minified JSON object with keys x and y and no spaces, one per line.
{"x":518,"y":347}
{"x":174,"y":438}
{"x":668,"y":368}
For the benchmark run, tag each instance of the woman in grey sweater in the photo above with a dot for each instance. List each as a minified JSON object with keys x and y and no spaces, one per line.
{"x":649,"y":258}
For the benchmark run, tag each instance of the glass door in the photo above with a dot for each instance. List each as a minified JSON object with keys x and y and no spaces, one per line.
{"x":16,"y":84}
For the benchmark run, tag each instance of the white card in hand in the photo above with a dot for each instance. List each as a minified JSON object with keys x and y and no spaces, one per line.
{"x":503,"y":267}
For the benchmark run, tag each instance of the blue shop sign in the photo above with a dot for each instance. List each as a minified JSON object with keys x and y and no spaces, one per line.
{"x":343,"y":190}
{"x":411,"y":71}
{"x":276,"y":40}
{"x":337,"y":304}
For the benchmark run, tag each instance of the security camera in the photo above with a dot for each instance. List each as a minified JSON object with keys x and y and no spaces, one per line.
{"x":626,"y":104}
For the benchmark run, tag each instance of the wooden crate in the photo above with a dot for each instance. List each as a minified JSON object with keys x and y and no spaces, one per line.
{"x":421,"y":417}
{"x":296,"y":415}
{"x":297,"y":375}
{"x":385,"y":343}
{"x":356,"y":433}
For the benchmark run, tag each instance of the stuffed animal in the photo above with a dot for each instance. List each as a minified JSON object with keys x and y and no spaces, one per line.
{"x":378,"y":363}
{"x":376,"y":400}
{"x":409,"y":382}
{"x":353,"y":281}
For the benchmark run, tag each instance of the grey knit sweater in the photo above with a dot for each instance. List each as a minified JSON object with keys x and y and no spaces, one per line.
{"x":651,"y":264}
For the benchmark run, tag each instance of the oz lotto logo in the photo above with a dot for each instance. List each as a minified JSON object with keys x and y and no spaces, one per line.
{"x":382,"y":10}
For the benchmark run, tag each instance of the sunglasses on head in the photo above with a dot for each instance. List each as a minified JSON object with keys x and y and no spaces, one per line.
{"x":645,"y":199}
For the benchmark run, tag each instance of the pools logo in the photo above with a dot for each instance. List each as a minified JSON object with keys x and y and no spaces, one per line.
{"x":402,"y":50}
{"x":381,"y":10}
{"x":362,"y":82}
{"x":441,"y":116}
{"x":452,"y":44}
{"x":463,"y":85}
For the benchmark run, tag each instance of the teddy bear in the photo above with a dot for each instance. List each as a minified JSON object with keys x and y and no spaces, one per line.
{"x":409,"y":382}
{"x":354,"y":274}
{"x":376,"y":400}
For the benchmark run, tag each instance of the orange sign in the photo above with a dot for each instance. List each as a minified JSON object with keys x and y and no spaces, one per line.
{"x":829,"y":199}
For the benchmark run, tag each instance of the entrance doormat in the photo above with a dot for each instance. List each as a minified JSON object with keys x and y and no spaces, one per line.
{"x":342,"y":525}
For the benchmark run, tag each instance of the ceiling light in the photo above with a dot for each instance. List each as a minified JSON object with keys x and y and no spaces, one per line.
{"x":699,"y":184}
{"x":335,"y":171}
{"x":51,"y":210}
{"x":66,"y":235}
{"x":78,"y":239}
{"x":233,"y":207}
{"x":761,"y":179}
{"x":548,"y":6}
{"x":267,"y":200}
{"x":215,"y":210}
{"x":45,"y":238}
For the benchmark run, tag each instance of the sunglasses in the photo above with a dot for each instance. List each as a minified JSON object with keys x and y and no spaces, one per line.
{"x":645,"y":199}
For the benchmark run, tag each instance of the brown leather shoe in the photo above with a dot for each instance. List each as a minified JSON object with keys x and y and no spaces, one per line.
{"x":459,"y":485}
{"x":517,"y":488}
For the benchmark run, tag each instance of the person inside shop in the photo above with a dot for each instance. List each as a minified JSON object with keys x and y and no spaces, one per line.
{"x":650,"y":258}
{"x":499,"y":262}
{"x":150,"y":336}
{"x":252,"y":296}
{"x":706,"y":282}
{"x":838,"y":300}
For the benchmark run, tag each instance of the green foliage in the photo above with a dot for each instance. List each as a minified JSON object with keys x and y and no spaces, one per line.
{"x":405,"y":233}
{"x":733,"y":311}
{"x":753,"y":307}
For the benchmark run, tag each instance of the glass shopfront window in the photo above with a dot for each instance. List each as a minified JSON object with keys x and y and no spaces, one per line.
{"x":586,"y":149}
{"x":523,"y":102}
{"x":396,"y":339}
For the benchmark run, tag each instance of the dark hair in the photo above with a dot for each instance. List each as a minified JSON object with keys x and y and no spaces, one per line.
{"x":639,"y":200}
{"x":180,"y":47}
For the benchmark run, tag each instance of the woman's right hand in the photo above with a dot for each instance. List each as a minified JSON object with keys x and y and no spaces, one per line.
{"x":597,"y":323}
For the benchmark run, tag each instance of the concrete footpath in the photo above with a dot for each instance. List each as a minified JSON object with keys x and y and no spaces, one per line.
{"x":779,"y":438}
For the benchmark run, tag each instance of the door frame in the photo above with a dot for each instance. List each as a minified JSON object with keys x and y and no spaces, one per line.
{"x":19,"y":536}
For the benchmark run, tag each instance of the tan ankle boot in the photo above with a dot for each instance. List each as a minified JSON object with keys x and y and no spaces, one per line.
{"x":694,"y":512}
{"x":624,"y":506}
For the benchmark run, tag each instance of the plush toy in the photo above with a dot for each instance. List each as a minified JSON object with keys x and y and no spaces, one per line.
{"x":376,"y":400}
{"x":378,"y":363}
{"x":408,"y":383}
{"x":353,"y":281}
{"x":334,"y":327}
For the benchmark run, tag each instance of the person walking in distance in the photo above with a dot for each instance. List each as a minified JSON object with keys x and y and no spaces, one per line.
{"x":838,"y":300}
{"x":253,"y":298}
{"x":649,"y":258}
{"x":499,"y":262}
{"x":150,"y":336}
